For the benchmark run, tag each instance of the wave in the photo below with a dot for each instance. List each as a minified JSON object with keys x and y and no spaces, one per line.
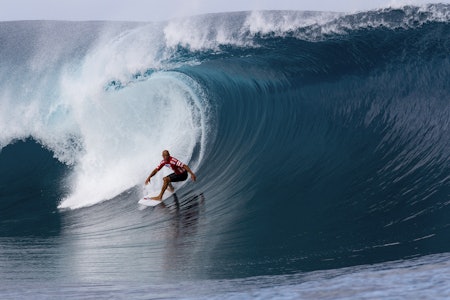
{"x":320,"y":138}
{"x":104,"y":136}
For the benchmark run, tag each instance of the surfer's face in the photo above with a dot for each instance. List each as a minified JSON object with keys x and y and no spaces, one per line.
{"x":166,"y":155}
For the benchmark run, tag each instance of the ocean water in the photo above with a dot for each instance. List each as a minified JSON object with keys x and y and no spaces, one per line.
{"x":320,"y":142}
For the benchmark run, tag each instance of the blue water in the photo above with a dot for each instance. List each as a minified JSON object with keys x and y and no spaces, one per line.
{"x":320,"y":143}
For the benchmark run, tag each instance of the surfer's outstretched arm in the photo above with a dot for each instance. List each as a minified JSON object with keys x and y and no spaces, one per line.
{"x":193,"y":177}
{"x":151,"y":175}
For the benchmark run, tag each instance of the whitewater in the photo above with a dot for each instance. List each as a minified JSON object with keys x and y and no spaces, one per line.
{"x":319,"y":139}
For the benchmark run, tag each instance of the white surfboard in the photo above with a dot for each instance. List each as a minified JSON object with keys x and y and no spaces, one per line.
{"x":149,"y":202}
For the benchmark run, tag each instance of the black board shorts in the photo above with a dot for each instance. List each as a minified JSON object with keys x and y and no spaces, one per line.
{"x":178,"y":177}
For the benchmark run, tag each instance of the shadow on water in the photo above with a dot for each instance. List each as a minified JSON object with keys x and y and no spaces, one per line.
{"x":182,"y":239}
{"x":186,"y":213}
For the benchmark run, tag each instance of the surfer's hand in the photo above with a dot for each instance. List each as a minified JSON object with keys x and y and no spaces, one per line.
{"x":193,"y":177}
{"x":147,"y":181}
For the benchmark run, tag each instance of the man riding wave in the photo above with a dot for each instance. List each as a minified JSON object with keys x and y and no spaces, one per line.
{"x":180,"y":173}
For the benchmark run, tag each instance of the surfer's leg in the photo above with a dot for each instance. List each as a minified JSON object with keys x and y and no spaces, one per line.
{"x":175,"y":178}
{"x":172,"y":178}
{"x":163,"y":189}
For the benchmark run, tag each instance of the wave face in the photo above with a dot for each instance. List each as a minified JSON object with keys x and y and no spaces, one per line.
{"x":320,"y":140}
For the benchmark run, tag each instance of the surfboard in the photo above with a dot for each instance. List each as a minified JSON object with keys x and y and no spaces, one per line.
{"x":149,"y":202}
{"x":146,"y":201}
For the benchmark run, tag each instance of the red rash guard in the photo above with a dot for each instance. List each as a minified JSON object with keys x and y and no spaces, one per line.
{"x":175,"y":164}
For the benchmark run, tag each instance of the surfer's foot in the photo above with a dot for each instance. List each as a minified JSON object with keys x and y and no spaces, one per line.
{"x":156,"y":198}
{"x":170,"y":188}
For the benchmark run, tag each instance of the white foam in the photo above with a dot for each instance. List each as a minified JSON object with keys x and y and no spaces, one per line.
{"x":266,"y":22}
{"x":125,"y":131}
{"x":209,"y":32}
{"x":237,"y":29}
{"x":111,"y":138}
{"x":203,"y":32}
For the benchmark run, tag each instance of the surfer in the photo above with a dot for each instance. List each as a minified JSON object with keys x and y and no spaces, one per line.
{"x":180,"y":173}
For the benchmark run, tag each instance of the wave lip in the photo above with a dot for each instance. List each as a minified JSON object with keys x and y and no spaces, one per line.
{"x":210,"y":32}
